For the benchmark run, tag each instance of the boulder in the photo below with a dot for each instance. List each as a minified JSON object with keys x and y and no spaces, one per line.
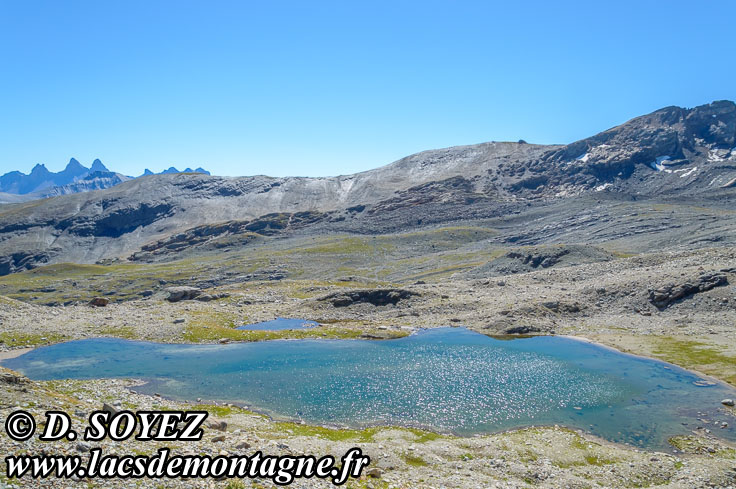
{"x":216,"y":424}
{"x":83,"y":447}
{"x":12,"y":378}
{"x":182,"y":293}
{"x":728,"y":402}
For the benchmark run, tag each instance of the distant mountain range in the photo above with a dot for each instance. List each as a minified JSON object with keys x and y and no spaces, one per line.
{"x":617,"y":185}
{"x":16,"y":186}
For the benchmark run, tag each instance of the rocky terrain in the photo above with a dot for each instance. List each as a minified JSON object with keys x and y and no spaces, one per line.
{"x":627,"y":238}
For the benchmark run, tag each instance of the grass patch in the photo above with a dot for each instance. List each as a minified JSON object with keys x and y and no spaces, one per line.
{"x":213,"y":319}
{"x":124,"y":332}
{"x":697,"y":355}
{"x":366,"y":435}
{"x":209,"y":334}
{"x":332,"y":434}
{"x":527,"y":456}
{"x":599,"y":460}
{"x":367,"y":483}
{"x":413,"y":460}
{"x":346,"y":245}
{"x":224,"y":411}
{"x":17,"y":338}
{"x":581,"y":443}
{"x":692,"y":444}
{"x":235,"y":485}
{"x":589,"y":459}
{"x":68,"y":282}
{"x":422,"y":436}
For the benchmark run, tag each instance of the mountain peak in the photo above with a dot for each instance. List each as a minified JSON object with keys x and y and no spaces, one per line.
{"x":40,"y":168}
{"x":98,"y":166}
{"x":74,"y":164}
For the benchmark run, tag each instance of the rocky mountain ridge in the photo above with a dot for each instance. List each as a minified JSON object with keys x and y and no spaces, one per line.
{"x":16,"y":186}
{"x":671,"y":155}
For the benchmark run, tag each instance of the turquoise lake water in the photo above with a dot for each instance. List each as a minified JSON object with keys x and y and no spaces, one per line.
{"x":447,"y":379}
{"x":279,"y":324}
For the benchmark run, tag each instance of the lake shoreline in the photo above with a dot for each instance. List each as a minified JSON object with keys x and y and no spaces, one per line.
{"x":8,"y":354}
{"x":14,"y":353}
{"x":491,"y":422}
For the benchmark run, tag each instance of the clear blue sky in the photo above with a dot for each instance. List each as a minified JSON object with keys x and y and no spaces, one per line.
{"x":325,"y":88}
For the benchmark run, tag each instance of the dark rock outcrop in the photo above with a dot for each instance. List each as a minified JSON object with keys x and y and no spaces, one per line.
{"x":530,"y":258}
{"x":226,"y":234}
{"x":22,"y":260}
{"x":665,"y":296}
{"x":522,"y":330}
{"x":10,"y":378}
{"x":376,"y":297}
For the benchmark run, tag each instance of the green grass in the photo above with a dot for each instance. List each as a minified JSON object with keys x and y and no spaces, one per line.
{"x":117,"y":281}
{"x":345,"y":245}
{"x":367,"y":483}
{"x":580,"y":443}
{"x":206,"y":334}
{"x":124,"y":332}
{"x":235,"y":485}
{"x":697,"y":355}
{"x":692,"y":444}
{"x":209,"y":326}
{"x":366,"y":435}
{"x":332,"y":434}
{"x":599,"y":460}
{"x":413,"y":460}
{"x":395,"y":258}
{"x":224,"y":411}
{"x":588,"y":459}
{"x":527,"y":455}
{"x":17,"y":338}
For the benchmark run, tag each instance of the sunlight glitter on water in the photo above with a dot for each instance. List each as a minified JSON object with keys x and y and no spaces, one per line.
{"x":447,"y":379}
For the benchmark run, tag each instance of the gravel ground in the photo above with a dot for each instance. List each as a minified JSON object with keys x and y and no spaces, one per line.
{"x":611,"y":306}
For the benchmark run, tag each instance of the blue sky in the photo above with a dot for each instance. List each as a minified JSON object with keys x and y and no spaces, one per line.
{"x":326,"y":88}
